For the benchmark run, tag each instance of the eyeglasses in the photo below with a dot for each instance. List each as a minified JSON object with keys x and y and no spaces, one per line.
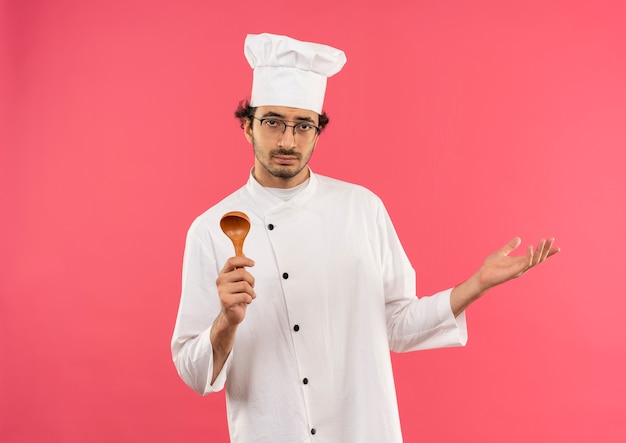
{"x":304,"y":132}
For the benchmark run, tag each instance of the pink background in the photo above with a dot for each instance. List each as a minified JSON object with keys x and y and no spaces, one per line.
{"x":475,"y":121}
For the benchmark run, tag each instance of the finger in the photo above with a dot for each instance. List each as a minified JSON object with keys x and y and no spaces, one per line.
{"x":238,"y":298}
{"x":510,"y":246}
{"x":240,"y":274}
{"x":539,"y":252}
{"x":234,"y":275}
{"x":236,"y":262}
{"x":244,"y":287}
{"x":553,"y":251}
{"x":247,"y":297}
{"x":236,"y":292}
{"x":547,"y":249}
{"x":530,"y":253}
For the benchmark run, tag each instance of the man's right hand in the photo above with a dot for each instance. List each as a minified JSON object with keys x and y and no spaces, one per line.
{"x":235,"y":286}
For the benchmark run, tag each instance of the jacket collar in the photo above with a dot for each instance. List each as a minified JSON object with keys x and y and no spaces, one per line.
{"x":269,"y":202}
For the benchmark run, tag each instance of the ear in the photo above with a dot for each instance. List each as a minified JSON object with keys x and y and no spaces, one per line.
{"x":247,"y":130}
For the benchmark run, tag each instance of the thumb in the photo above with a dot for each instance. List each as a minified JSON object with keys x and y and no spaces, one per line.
{"x":511,"y":246}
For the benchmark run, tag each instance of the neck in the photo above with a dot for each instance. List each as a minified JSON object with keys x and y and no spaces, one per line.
{"x":271,"y":181}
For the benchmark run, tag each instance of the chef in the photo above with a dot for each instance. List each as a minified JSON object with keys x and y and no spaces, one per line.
{"x":299,"y":330}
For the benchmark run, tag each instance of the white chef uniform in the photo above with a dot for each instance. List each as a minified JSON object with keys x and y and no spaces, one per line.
{"x":335,"y":293}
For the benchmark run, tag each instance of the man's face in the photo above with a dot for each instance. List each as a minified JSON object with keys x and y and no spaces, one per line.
{"x":280,"y":158}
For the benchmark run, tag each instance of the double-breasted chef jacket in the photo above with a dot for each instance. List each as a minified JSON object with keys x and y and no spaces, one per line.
{"x":335,"y":293}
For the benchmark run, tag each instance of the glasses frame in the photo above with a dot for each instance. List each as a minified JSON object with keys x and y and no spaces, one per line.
{"x":293,"y":127}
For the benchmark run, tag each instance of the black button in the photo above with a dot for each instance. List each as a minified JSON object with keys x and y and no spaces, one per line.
{"x":296,"y":328}
{"x":313,"y":431}
{"x":305,"y":381}
{"x":270,"y":226}
{"x":285,"y":275}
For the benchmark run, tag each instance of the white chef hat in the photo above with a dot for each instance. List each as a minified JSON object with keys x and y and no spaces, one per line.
{"x":288,"y":72}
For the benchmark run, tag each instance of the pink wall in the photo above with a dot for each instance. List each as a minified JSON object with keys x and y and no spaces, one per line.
{"x":474,"y":120}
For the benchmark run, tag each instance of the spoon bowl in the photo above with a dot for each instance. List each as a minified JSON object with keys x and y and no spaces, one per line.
{"x":236,"y":226}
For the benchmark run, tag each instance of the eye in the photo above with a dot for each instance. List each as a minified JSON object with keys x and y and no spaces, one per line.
{"x":271,"y":123}
{"x":304,"y":127}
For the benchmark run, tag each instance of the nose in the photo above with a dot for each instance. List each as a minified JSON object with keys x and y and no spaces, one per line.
{"x":287,"y":138}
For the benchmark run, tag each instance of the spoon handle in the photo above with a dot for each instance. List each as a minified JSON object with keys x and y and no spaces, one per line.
{"x":238,"y":244}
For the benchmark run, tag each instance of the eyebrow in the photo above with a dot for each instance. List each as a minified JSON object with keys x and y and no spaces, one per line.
{"x":276,"y":114}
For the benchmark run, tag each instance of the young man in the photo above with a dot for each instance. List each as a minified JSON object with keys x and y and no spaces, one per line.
{"x":300,"y":329}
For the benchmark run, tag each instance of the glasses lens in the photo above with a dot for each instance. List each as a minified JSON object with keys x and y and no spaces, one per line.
{"x":305,"y":132}
{"x":271,"y":126}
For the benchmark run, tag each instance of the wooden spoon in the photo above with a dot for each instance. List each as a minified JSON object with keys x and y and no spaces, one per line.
{"x":236,"y":226}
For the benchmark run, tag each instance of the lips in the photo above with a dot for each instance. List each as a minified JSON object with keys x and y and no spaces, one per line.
{"x":285,"y":160}
{"x":285,"y":157}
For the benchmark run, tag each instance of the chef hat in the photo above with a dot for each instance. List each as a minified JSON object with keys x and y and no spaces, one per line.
{"x":288,"y":72}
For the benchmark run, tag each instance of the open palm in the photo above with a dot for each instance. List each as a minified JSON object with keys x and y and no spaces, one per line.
{"x":501,"y":266}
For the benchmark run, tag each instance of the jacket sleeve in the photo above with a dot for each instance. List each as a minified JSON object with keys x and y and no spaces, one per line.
{"x":192,"y":351}
{"x":413,"y":323}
